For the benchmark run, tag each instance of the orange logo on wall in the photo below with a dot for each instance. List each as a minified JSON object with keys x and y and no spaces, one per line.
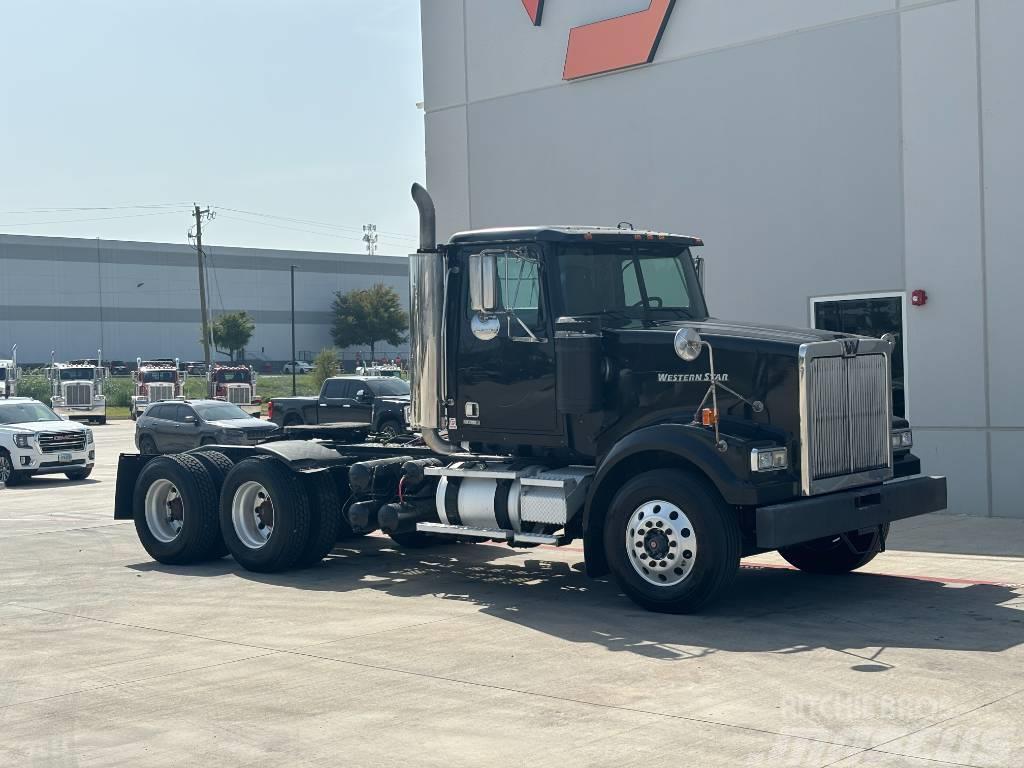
{"x":612,"y":44}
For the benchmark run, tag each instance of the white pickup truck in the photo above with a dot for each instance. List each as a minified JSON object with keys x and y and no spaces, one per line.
{"x":36,"y":441}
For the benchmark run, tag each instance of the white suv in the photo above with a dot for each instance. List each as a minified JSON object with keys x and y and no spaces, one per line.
{"x":36,"y":441}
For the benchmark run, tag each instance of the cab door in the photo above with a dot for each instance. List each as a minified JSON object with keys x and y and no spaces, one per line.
{"x":336,"y":401}
{"x":505,"y":381}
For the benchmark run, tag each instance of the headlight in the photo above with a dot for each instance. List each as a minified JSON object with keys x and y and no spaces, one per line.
{"x":100,"y":398}
{"x":688,"y":344}
{"x":902,"y":439}
{"x":769,"y":459}
{"x":88,"y":437}
{"x":57,"y":400}
{"x":23,"y":440}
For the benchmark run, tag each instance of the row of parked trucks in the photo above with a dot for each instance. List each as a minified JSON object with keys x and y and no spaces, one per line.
{"x":77,"y":386}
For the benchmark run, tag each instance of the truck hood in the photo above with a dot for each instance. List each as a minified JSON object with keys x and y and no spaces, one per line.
{"x":394,"y":399}
{"x":44,"y":426}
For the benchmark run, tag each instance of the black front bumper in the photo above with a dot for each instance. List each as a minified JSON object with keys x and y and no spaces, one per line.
{"x":793,"y":522}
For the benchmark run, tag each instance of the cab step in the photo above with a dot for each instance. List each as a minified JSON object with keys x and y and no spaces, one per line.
{"x":498,"y":534}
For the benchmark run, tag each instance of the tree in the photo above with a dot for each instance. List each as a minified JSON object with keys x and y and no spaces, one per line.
{"x":368,"y":315}
{"x":231,"y":332}
{"x":326,"y":364}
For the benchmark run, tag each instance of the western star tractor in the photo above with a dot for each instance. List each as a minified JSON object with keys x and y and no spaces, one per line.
{"x":235,"y":384}
{"x":77,"y":389}
{"x":156,"y":380}
{"x":569,"y":384}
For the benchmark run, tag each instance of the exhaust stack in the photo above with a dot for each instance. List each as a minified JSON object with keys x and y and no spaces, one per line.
{"x":426,"y":327}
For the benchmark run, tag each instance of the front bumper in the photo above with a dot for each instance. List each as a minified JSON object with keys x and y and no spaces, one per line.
{"x":38,"y":463}
{"x":815,"y":517}
{"x":81,"y":411}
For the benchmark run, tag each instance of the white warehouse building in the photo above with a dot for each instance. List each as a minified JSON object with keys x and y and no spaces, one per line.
{"x":74,"y":296}
{"x":850,"y":164}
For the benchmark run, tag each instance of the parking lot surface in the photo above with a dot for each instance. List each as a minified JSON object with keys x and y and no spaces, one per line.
{"x":473,"y":654}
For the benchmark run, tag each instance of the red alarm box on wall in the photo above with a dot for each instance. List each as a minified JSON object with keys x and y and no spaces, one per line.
{"x":919,"y":298}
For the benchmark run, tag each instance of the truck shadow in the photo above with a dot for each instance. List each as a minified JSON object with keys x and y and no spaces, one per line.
{"x":768,"y":609}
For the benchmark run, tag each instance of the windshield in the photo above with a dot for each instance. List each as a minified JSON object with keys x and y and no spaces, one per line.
{"x":631,"y":281}
{"x":160,"y":376}
{"x":390,"y":387}
{"x":76,"y":374}
{"x":232,"y":377}
{"x":23,"y":413}
{"x":220,"y":411}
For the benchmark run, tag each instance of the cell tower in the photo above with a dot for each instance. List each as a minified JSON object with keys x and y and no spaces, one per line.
{"x":370,"y":238}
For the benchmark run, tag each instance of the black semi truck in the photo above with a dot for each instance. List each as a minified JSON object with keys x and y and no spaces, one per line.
{"x":569,"y":384}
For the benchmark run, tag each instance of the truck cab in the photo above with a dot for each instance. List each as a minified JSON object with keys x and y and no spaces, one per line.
{"x":77,"y":390}
{"x":9,"y":375}
{"x":236,"y":384}
{"x":156,"y":380}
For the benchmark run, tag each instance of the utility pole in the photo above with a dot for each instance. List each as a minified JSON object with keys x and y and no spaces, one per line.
{"x":294,"y":362}
{"x":199,"y":214}
{"x":370,"y":238}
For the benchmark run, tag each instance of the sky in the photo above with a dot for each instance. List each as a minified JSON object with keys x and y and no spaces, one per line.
{"x":294,"y":120}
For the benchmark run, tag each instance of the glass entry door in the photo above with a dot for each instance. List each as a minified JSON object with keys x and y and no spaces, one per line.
{"x":869,"y":315}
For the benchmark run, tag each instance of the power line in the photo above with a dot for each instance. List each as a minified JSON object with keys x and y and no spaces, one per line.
{"x":93,"y":208}
{"x":102,"y":218}
{"x":322,"y":224}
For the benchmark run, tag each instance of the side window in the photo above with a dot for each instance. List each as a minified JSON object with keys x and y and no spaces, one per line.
{"x":519,"y":292}
{"x":157,"y":412}
{"x":335,"y":388}
{"x":664,"y":279}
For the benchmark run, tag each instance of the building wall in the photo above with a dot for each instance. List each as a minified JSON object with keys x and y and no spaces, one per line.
{"x":820,"y":147}
{"x":142,"y":299}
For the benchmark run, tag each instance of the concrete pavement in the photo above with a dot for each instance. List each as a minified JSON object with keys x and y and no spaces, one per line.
{"x":472,"y":655}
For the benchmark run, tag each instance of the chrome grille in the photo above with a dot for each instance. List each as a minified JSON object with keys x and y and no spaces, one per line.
{"x":846,"y":425}
{"x":77,"y":394}
{"x":54,"y":442}
{"x":160,"y":392}
{"x":239,"y":394}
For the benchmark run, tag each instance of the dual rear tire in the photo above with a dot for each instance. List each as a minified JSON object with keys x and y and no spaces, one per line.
{"x":199,"y":506}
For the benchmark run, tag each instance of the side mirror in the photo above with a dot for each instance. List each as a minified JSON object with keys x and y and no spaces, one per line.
{"x":483,"y":281}
{"x":362,"y":395}
{"x":191,"y":420}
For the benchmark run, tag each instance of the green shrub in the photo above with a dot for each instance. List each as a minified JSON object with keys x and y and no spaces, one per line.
{"x":35,"y":386}
{"x":325,"y":365}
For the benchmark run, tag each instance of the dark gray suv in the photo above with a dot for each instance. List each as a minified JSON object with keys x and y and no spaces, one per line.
{"x":175,"y":427}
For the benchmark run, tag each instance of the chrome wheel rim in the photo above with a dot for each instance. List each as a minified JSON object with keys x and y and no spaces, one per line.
{"x":6,"y":468}
{"x":660,"y":543}
{"x":252,"y":515}
{"x":165,"y":511}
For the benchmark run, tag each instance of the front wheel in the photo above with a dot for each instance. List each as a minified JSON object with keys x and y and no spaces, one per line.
{"x":673,"y":544}
{"x":389,"y":429}
{"x":78,"y":474}
{"x":8,"y":475}
{"x":837,"y":554}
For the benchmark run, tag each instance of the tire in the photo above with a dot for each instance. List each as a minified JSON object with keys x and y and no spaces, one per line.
{"x":147,"y":446}
{"x":671,"y":541}
{"x":218,"y":465}
{"x":249,"y":487}
{"x":324,"y":520}
{"x":8,"y":474}
{"x":833,"y":555}
{"x":102,"y":421}
{"x":389,"y":429}
{"x":78,"y":474}
{"x":292,"y":421}
{"x":167,"y":539}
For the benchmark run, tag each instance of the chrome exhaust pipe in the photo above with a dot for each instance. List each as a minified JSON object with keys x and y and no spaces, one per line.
{"x":426,"y":327}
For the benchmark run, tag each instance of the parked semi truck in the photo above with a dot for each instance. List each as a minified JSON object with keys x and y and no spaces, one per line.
{"x":156,"y":380}
{"x":10,"y":373}
{"x":235,"y":384}
{"x":77,"y":389}
{"x":569,"y":384}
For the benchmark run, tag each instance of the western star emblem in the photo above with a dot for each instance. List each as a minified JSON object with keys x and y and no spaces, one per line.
{"x":690,"y":378}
